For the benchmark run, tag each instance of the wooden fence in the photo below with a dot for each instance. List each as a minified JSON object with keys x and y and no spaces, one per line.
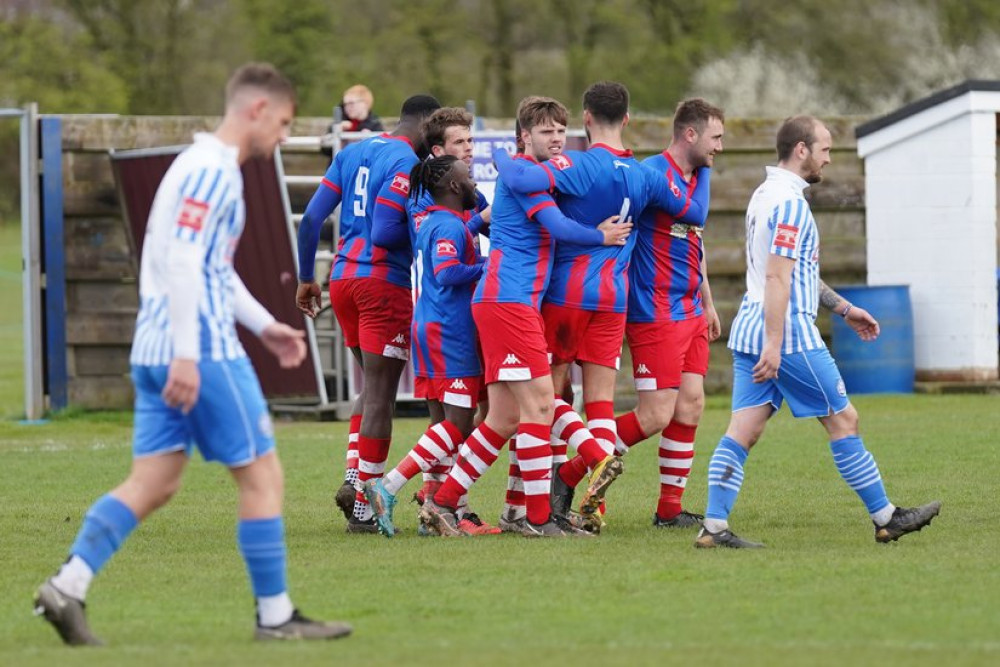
{"x":102,"y":293}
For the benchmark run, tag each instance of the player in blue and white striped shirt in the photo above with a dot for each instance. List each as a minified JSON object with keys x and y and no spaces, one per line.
{"x":778,"y":354}
{"x":194,"y":385}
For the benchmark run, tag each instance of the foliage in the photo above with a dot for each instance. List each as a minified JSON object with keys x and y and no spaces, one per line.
{"x":752,"y":56}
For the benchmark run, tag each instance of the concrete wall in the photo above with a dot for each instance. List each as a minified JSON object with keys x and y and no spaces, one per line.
{"x":931,"y":181}
{"x":101,"y":278}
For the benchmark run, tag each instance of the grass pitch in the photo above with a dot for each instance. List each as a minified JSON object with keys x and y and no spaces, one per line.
{"x":822,"y":593}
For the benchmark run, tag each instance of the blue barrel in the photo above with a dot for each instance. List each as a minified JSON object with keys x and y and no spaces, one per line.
{"x":884,"y":365}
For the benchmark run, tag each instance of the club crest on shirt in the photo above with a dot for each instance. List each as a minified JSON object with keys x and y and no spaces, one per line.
{"x":446,"y":248}
{"x":786,"y":237}
{"x":192,"y":214}
{"x":418,"y":219}
{"x":400,"y":185}
{"x":560,"y":162}
{"x":674,"y":190}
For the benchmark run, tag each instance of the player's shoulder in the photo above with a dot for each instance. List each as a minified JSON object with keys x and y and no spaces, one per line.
{"x":657,"y":162}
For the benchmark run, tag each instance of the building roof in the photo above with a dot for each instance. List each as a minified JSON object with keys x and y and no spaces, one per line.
{"x":925,"y":103}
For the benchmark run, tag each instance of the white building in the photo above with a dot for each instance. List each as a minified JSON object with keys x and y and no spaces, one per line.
{"x":931,"y":202}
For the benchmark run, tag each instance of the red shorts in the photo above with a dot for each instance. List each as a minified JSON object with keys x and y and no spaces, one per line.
{"x":374,"y":314}
{"x":661,"y":351}
{"x":461,"y":392}
{"x":512,"y":336}
{"x":573,"y":334}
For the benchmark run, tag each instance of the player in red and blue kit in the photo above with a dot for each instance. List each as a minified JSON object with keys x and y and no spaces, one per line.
{"x":448,"y":131}
{"x":506,"y":308}
{"x":671,"y":317}
{"x":445,"y":345}
{"x":585,"y":304}
{"x":369,"y":281}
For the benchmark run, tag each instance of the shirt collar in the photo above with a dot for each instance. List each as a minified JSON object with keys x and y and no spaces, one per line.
{"x":211,"y":141}
{"x":786,"y":176}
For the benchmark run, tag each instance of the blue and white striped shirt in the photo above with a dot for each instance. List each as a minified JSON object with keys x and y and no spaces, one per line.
{"x":190,"y":295}
{"x":779,"y":222}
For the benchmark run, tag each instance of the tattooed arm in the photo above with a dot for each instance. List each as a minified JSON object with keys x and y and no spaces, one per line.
{"x":856,"y":317}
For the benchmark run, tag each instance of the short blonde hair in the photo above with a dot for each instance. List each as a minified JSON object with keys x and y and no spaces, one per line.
{"x":360,"y":90}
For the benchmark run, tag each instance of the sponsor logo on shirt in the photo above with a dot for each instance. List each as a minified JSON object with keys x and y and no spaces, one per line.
{"x":192,"y":214}
{"x":560,"y":162}
{"x":619,"y":163}
{"x":674,"y":190}
{"x":446,"y":248}
{"x":418,"y":219}
{"x":400,"y":185}
{"x":786,"y":237}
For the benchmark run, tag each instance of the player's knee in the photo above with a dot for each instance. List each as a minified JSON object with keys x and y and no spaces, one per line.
{"x":690,"y":408}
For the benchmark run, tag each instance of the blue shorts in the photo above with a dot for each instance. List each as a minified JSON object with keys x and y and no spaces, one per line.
{"x":229,"y":423}
{"x":809,"y":381}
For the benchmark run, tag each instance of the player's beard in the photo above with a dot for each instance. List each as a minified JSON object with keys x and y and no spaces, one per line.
{"x":813,"y":171}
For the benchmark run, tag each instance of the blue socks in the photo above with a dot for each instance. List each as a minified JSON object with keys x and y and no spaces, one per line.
{"x":262,"y":543}
{"x":107,"y":523}
{"x":858,"y":468}
{"x":725,"y":477}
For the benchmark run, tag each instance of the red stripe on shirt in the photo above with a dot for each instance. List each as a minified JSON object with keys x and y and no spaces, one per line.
{"x":574,"y":284}
{"x":535,"y":209}
{"x":330,"y":184}
{"x":389,"y":202}
{"x":541,"y":269}
{"x":606,"y":290}
{"x":444,"y":265}
{"x":380,"y":263}
{"x":438,"y":368}
{"x":491,"y":283}
{"x":351,"y":258}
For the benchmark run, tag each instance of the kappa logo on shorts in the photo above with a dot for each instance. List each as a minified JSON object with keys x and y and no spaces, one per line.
{"x":561,"y":162}
{"x":642,"y":370}
{"x":193,"y":213}
{"x":511,"y":359}
{"x":400,"y":184}
{"x":400,"y":339}
{"x":458,"y":384}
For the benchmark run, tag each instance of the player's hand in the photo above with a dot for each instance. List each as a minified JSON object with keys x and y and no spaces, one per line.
{"x":766,"y":367}
{"x":309,"y":298}
{"x":615,"y":233}
{"x":714,"y":325}
{"x":487,"y":215}
{"x":286,"y":343}
{"x":863,"y":323}
{"x":183,"y":385}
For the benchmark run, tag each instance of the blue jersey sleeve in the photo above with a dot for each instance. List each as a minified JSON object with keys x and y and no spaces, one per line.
{"x":675,"y":202}
{"x":323,"y":202}
{"x":542,"y":208}
{"x":476,"y":222}
{"x":522,"y":176}
{"x":447,"y":247}
{"x":573,"y":173}
{"x":389,"y":220}
{"x":786,"y":221}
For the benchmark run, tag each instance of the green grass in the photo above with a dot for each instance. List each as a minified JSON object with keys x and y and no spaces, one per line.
{"x":822,"y":592}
